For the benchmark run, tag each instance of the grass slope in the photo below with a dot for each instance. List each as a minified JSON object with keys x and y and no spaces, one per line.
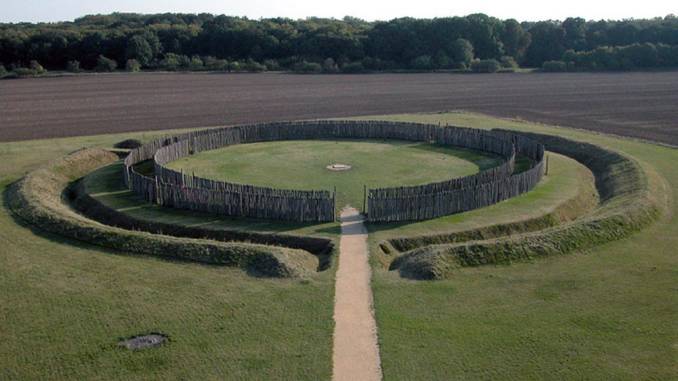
{"x":38,"y":199}
{"x":301,"y":165}
{"x":568,"y":181}
{"x":106,"y":186}
{"x":65,"y":304}
{"x":607,"y":313}
{"x":628,"y":203}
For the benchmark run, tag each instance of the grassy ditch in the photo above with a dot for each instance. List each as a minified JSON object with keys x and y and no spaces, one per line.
{"x":625,"y":207}
{"x":581,"y":203}
{"x":81,"y":199}
{"x":565,"y":194}
{"x":37,"y":199}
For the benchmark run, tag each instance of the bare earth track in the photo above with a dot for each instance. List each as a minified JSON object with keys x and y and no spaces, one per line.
{"x":639,"y":105}
{"x":355,"y":355}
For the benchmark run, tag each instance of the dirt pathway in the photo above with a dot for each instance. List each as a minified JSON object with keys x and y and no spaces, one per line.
{"x":356,"y":353}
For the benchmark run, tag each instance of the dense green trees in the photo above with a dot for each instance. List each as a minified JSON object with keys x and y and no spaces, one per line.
{"x":547,"y":43}
{"x":629,"y":57}
{"x":486,"y":66}
{"x":105,"y":64}
{"x":139,"y":49}
{"x":133,"y":65}
{"x":554,"y":66}
{"x":73,"y":66}
{"x":208,"y":42}
{"x":462,"y":52}
{"x":515,"y":39}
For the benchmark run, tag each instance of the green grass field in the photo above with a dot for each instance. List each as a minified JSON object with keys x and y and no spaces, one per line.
{"x":607,"y":313}
{"x":64,"y":306}
{"x":302,"y":165}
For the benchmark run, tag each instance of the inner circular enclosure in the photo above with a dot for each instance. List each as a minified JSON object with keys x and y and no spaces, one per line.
{"x":181,"y":190}
{"x":302,"y":164}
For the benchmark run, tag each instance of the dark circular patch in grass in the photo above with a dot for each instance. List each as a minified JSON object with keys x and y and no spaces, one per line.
{"x":150,"y":340}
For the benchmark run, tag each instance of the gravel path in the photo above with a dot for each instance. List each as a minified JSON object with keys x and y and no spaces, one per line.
{"x":356,"y":352}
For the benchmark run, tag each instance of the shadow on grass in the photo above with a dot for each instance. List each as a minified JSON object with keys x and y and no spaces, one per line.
{"x":333,"y":230}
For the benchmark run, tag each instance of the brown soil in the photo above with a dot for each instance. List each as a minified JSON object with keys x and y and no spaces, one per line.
{"x":355,"y":353}
{"x":641,"y":104}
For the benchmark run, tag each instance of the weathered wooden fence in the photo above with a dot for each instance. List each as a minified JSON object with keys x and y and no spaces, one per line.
{"x":460,"y":195}
{"x":186,"y":191}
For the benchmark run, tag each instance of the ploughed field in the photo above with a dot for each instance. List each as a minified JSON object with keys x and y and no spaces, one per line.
{"x":639,"y":105}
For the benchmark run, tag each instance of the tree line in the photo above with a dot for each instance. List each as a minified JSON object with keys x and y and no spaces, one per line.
{"x":209,"y":42}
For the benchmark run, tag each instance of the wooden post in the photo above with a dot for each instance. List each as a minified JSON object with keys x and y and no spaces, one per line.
{"x":546,"y":172}
{"x":157,"y":191}
{"x":364,"y":199}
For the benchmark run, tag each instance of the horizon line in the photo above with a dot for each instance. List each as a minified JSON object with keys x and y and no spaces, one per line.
{"x":669,"y":15}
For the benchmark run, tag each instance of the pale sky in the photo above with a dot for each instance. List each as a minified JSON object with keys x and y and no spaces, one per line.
{"x":522,"y":10}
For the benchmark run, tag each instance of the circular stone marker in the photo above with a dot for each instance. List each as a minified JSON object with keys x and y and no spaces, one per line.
{"x":144,"y":341}
{"x":338,"y":167}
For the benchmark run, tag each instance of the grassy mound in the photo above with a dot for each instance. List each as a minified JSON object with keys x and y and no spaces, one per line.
{"x":82,"y":199}
{"x":38,"y":199}
{"x":626,"y":206}
{"x":102,"y":196}
{"x":567,"y":193}
{"x":569,"y":210}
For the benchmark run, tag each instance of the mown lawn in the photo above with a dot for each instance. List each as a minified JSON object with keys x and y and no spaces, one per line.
{"x":608,"y":313}
{"x":300,"y":164}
